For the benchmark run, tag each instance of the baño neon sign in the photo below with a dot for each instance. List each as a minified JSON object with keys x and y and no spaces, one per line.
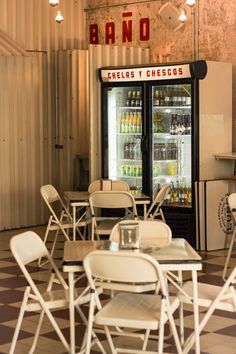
{"x":126,"y":30}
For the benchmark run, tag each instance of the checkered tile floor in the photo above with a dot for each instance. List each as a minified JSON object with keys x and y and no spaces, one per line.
{"x":219,"y":336}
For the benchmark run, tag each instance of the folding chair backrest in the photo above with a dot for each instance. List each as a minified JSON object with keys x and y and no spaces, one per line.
{"x":108,"y":184}
{"x":54,"y":201}
{"x":159,"y":199}
{"x":123,"y":267}
{"x":112,"y":199}
{"x":154,"y":232}
{"x":232,"y":204}
{"x":49,"y":193}
{"x":27,"y":247}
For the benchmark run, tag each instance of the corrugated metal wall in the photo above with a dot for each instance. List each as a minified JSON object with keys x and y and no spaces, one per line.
{"x":29,"y":124}
{"x":72,"y":123}
{"x":25,"y":141}
{"x":100,"y":56}
{"x":31,"y":23}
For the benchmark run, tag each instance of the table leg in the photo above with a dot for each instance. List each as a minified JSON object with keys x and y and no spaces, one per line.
{"x":196,"y":313}
{"x":181,"y":310}
{"x":71,"y":311}
{"x":195,"y":336}
{"x":144,"y":211}
{"x":74,"y":222}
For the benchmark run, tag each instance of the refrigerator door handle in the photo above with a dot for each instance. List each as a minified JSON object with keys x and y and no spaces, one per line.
{"x":144,"y":144}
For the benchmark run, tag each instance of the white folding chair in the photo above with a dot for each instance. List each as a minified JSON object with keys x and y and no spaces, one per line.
{"x":155,"y":233}
{"x":109,"y":200}
{"x":60,"y":218}
{"x":232,"y":206}
{"x":27,"y":248}
{"x":212,"y":297}
{"x":133,"y":311}
{"x":108,"y":184}
{"x":155,"y":209}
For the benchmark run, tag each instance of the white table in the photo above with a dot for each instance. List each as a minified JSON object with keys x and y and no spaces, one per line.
{"x":178,"y":256}
{"x":78,"y":200}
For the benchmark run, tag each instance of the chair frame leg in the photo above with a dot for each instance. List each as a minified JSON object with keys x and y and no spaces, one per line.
{"x":20,"y":319}
{"x":45,"y":239}
{"x":229,"y":253}
{"x":37,"y":332}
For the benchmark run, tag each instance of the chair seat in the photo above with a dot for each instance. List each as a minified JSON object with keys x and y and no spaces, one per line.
{"x":133,"y":311}
{"x":105,"y":226}
{"x":54,"y":299}
{"x":206,"y":294}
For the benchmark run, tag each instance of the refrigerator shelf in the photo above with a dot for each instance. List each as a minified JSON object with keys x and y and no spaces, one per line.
{"x":129,"y":134}
{"x":130,"y":160}
{"x":169,"y":177}
{"x":136,"y":177}
{"x":170,"y":160}
{"x":177,"y":205}
{"x":172,"y":107}
{"x":128,"y":107}
{"x":169,"y":136}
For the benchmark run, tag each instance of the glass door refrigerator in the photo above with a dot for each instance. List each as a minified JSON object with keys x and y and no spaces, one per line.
{"x":122,"y":134}
{"x":154,"y":132}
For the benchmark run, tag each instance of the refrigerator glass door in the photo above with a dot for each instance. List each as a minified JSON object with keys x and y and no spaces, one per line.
{"x":124,"y":116}
{"x":171,"y":142}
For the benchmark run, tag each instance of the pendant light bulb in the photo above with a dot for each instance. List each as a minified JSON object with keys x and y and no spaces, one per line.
{"x":53,"y":2}
{"x":190,"y":2}
{"x":59,"y":18}
{"x":182,"y":16}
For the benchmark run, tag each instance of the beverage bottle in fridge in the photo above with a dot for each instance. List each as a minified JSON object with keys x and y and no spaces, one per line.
{"x":126,"y":129}
{"x":122,"y":123}
{"x":140,"y":101}
{"x":133,"y":99}
{"x":138,"y":98}
{"x":189,"y":125}
{"x":122,"y":170}
{"x":128,"y":170}
{"x":132,"y":149}
{"x":189,"y":195}
{"x":179,"y":96}
{"x":156,"y":101}
{"x":161,"y":98}
{"x":172,"y":125}
{"x":130,"y":128}
{"x":136,"y":151}
{"x":131,"y":169}
{"x":126,"y":149}
{"x":128,"y":100}
{"x":188,"y":100}
{"x":134,"y":124}
{"x":176,"y":193}
{"x":181,"y":194}
{"x":172,"y":193}
{"x":167,"y":97}
{"x":185,"y":193}
{"x":139,"y":123}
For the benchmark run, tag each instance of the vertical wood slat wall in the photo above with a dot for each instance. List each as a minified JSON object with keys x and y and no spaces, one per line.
{"x":100,"y":56}
{"x":72,"y":123}
{"x":25,"y":143}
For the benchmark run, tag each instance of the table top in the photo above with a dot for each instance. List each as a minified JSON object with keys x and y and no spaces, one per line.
{"x":78,"y":197}
{"x":226,"y":156}
{"x":178,"y":253}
